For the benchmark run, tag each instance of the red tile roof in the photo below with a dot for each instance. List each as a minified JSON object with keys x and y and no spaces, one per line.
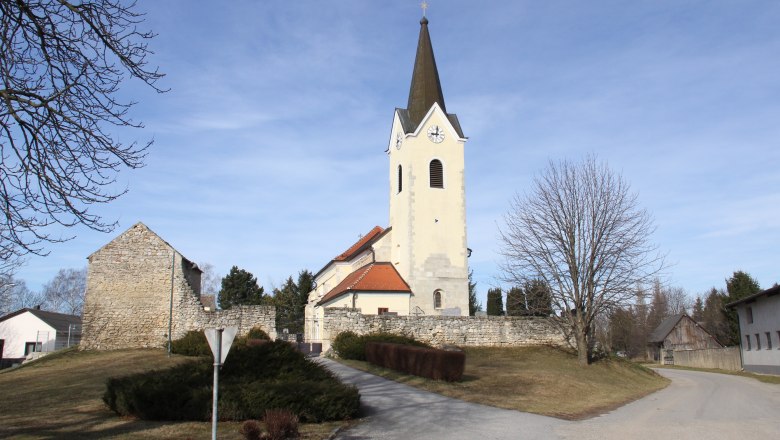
{"x":374,"y":277}
{"x":360,"y":246}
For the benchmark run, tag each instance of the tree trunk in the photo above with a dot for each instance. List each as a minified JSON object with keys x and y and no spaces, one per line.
{"x":583,"y":351}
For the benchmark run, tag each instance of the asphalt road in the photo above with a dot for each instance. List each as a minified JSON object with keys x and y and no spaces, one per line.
{"x":695,"y":406}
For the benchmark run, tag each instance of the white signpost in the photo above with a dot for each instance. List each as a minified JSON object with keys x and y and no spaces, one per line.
{"x":220,"y":341}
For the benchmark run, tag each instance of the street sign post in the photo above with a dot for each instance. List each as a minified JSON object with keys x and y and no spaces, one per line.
{"x":219,"y":340}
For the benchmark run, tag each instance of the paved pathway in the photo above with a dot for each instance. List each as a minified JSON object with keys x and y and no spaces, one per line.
{"x":695,"y":406}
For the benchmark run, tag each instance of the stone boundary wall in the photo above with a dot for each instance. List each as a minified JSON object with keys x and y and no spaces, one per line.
{"x":721,"y":358}
{"x":446,"y":330}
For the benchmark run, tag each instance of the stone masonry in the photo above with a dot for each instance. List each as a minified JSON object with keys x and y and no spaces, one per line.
{"x":128,"y":298}
{"x":446,"y":330}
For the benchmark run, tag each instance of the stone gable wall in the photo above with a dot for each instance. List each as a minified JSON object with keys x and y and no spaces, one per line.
{"x":127,"y":303}
{"x":446,"y":330}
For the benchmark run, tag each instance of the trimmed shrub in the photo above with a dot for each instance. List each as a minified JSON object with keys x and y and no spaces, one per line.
{"x":254,"y":379}
{"x":348,"y":345}
{"x":420,"y":361}
{"x":281,"y":424}
{"x":194,"y":343}
{"x":258,"y":333}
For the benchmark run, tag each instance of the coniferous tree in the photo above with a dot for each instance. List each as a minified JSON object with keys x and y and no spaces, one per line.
{"x":538,"y":298}
{"x":515,"y":302}
{"x":474,"y":305}
{"x":495,"y":302}
{"x":698,"y":310}
{"x":240,"y":287}
{"x":714,"y":317}
{"x":739,"y":286}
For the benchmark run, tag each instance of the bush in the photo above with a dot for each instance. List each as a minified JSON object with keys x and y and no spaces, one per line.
{"x":251,"y":430}
{"x":348,"y":345}
{"x":194,"y":343}
{"x":281,"y":424}
{"x":258,"y":333}
{"x":254,"y":379}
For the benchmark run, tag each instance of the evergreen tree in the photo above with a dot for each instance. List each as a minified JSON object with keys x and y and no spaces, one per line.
{"x":305,"y":286}
{"x":659,"y":308}
{"x":495,"y":302}
{"x":240,"y":287}
{"x":538,"y":298}
{"x":290,"y":302}
{"x":474,"y":305}
{"x":515,"y":302}
{"x":714,"y":317}
{"x":698,"y":310}
{"x":739,"y":286}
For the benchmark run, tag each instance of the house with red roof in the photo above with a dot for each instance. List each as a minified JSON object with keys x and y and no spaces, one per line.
{"x":418,"y":264}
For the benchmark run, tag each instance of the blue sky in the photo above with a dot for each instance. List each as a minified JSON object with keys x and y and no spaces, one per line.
{"x":269,"y":148}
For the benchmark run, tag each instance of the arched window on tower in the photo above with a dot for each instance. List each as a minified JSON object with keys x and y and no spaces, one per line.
{"x":437,"y":299}
{"x":400,"y":178}
{"x":437,"y":174}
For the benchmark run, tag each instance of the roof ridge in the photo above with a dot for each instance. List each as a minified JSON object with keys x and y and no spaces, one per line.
{"x":368,"y":267}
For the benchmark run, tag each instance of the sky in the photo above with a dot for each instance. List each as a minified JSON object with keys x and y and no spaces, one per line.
{"x":269,"y":148}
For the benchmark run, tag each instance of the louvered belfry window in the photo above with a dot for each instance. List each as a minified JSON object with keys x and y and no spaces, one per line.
{"x":400,"y":178}
{"x":437,"y":174}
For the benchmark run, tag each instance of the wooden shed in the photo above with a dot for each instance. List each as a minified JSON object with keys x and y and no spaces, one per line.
{"x":677,"y":333}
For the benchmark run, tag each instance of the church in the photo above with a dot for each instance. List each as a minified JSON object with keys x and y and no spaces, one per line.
{"x":417,"y":265}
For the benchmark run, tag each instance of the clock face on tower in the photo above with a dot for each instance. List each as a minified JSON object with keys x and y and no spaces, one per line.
{"x":399,"y":139}
{"x":435,"y":134}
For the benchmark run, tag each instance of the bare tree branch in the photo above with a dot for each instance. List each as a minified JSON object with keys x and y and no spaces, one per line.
{"x":61,"y":65}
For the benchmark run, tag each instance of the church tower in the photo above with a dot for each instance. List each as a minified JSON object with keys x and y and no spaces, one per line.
{"x":427,"y":193}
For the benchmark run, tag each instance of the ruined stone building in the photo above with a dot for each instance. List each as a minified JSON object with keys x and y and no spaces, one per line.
{"x":138,"y":286}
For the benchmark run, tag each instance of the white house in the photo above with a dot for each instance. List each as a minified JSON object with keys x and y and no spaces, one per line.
{"x":759,"y":327}
{"x":418,"y":264}
{"x":36,"y":331}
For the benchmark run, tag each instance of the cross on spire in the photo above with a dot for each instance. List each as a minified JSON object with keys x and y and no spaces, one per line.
{"x":424,"y":6}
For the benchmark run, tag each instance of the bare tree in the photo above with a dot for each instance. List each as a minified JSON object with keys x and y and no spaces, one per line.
{"x":65,"y":292}
{"x":21,"y":296}
{"x":61,"y":65}
{"x":210,"y":281}
{"x":581,"y":231}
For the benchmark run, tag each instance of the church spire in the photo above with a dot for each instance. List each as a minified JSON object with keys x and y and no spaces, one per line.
{"x":425,"y":88}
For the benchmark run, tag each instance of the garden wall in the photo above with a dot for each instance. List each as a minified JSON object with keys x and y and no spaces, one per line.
{"x":720,"y":358}
{"x":446,"y":330}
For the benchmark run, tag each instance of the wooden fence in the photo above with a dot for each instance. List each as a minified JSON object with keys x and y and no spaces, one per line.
{"x":721,"y":358}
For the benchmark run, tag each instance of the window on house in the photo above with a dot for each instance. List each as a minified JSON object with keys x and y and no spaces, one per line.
{"x":30,"y":347}
{"x":750,"y":315}
{"x":400,"y":178}
{"x":747,"y":338}
{"x":758,"y":342}
{"x":437,"y":174}
{"x":382,"y":310}
{"x":437,"y":299}
{"x":768,"y":341}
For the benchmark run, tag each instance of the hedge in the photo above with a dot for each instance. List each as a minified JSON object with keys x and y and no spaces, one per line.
{"x":348,"y":345}
{"x":420,"y":361}
{"x":253,"y":379}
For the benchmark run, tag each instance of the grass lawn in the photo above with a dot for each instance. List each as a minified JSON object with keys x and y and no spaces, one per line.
{"x":60,"y":396}
{"x":539,"y":380}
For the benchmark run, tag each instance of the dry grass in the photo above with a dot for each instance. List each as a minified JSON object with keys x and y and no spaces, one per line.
{"x":539,"y":380}
{"x":60,"y":395}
